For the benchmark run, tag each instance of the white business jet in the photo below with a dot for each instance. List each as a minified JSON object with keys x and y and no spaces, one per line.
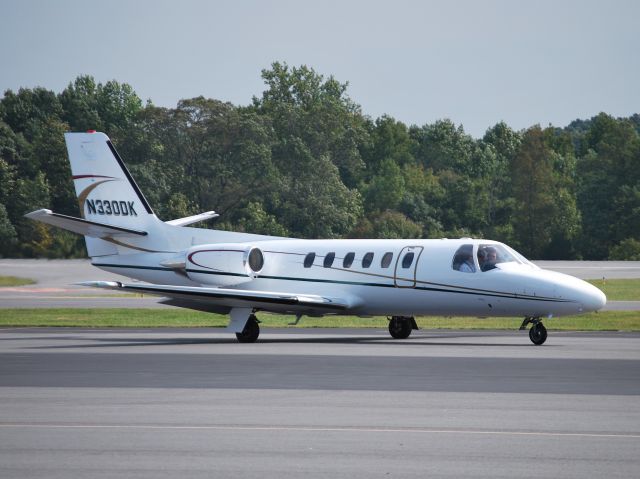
{"x":241,"y":274}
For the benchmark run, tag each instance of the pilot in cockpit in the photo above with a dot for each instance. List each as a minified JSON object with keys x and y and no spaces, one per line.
{"x":487,"y":257}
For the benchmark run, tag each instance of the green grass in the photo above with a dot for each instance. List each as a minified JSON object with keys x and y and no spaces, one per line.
{"x":619,"y":289}
{"x":148,"y":318}
{"x":14,"y":281}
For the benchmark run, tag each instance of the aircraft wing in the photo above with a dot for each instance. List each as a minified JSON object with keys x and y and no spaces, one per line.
{"x":233,"y":298}
{"x":81,"y":226}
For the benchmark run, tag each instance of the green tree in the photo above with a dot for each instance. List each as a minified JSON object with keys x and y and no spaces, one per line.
{"x":118,"y":105}
{"x":388,"y":140}
{"x":313,"y":202}
{"x":218,"y":156}
{"x":387,"y":225}
{"x":500,"y":209}
{"x":49,"y":147}
{"x":7,"y":181}
{"x":26,"y":110}
{"x":443,"y":146}
{"x":627,"y":250}
{"x":317,"y":132}
{"x":470,"y":173}
{"x":179,"y":206}
{"x":78,"y":101}
{"x":8,"y":234}
{"x":317,"y":110}
{"x":386,"y":188}
{"x":110,"y":107}
{"x":29,"y":195}
{"x":255,"y":219}
{"x":422,"y":200}
{"x":15,"y":150}
{"x":545,"y":205}
{"x":608,"y":179}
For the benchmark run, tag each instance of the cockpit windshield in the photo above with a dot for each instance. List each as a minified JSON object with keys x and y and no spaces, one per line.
{"x":522,"y":259}
{"x":487,"y":257}
{"x":491,"y":255}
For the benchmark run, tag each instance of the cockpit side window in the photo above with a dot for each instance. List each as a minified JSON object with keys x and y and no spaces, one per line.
{"x":490,"y":255}
{"x":463,"y":259}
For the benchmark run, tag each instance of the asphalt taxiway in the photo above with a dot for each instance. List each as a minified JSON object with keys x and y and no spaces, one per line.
{"x":317,"y":403}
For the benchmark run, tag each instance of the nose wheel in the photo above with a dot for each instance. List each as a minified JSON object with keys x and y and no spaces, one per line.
{"x":537,"y":333}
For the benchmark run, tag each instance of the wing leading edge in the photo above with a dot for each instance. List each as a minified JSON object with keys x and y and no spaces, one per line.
{"x":233,"y":298}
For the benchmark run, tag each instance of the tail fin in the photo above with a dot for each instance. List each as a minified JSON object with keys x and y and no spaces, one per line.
{"x":105,"y":188}
{"x":116,"y":218}
{"x":107,"y":193}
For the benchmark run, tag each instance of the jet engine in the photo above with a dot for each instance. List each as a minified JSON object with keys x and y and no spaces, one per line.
{"x":224,"y":264}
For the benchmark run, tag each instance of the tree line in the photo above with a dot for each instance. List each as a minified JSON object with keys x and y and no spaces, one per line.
{"x":303,"y":160}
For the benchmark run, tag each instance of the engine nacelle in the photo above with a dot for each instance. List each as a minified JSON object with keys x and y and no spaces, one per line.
{"x":224,"y":264}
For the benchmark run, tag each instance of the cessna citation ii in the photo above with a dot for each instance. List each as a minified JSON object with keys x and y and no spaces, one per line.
{"x":241,"y":274}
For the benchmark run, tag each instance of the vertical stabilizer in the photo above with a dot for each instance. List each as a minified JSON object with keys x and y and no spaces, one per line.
{"x":107,"y":192}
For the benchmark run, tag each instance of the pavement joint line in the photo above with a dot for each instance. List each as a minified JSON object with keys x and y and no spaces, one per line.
{"x":319,"y":429}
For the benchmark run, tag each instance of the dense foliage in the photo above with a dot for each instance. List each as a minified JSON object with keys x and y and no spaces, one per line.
{"x":303,"y":160}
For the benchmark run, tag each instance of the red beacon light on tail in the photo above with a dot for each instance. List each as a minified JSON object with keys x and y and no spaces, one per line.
{"x":91,"y":131}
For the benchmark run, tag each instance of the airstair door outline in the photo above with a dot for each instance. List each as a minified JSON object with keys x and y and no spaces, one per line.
{"x":404,"y":275}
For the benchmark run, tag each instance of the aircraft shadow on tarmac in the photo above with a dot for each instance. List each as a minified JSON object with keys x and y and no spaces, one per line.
{"x":97,"y":342}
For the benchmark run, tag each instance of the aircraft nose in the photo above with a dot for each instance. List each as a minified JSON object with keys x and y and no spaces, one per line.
{"x":593,"y":299}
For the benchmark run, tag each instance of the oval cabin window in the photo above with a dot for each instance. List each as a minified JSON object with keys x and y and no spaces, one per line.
{"x":308,"y":260}
{"x":328,"y":260}
{"x":386,"y":260}
{"x":348,"y":260}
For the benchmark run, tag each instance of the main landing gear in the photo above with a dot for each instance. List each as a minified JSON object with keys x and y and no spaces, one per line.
{"x":537,"y":333}
{"x":400,"y":327}
{"x":250,"y":332}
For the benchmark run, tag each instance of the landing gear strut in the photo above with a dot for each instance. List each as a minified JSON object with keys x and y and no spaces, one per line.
{"x":537,"y":333}
{"x":250,"y":332}
{"x":400,"y":327}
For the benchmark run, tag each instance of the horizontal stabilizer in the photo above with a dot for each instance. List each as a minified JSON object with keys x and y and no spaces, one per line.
{"x":231,"y":297}
{"x":82,"y":226}
{"x":193,"y":219}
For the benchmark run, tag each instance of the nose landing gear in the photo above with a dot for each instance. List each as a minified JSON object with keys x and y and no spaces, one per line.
{"x":537,"y":333}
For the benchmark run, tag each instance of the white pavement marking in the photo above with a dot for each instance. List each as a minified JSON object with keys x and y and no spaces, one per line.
{"x":603,"y":267}
{"x":319,"y":429}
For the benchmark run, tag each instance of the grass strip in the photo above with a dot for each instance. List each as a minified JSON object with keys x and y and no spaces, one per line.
{"x":14,"y":281}
{"x":158,"y":318}
{"x":619,"y":289}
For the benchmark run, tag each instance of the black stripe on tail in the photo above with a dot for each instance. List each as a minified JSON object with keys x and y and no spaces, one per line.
{"x":141,"y":197}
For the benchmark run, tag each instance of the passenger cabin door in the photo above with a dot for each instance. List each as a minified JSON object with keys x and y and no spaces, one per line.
{"x":404,"y":275}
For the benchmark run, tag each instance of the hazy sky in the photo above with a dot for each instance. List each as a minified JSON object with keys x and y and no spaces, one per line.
{"x":475,"y":62}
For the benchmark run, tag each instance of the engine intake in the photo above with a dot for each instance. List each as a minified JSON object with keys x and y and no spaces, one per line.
{"x":224,"y":264}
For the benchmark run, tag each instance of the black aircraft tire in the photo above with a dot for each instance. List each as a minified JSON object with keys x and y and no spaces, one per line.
{"x":250,"y":332}
{"x":538,"y":334}
{"x":400,"y":328}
